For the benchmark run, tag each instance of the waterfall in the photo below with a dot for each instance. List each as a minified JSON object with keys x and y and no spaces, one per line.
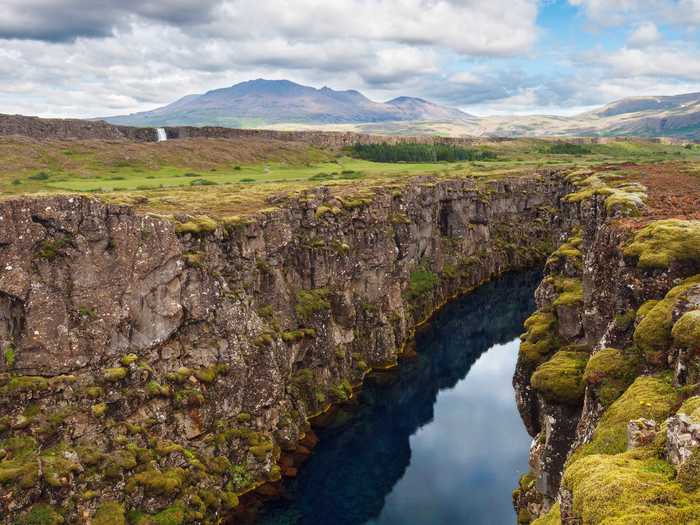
{"x":161,"y":134}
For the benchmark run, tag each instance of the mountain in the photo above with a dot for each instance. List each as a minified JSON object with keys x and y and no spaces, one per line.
{"x":260,"y":102}
{"x":281,"y":104}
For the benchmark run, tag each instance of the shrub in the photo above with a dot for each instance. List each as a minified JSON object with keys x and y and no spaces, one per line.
{"x":310,"y":302}
{"x":421,"y":283}
{"x":42,"y":175}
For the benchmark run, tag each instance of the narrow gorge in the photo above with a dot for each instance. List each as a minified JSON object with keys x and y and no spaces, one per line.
{"x":166,"y":370}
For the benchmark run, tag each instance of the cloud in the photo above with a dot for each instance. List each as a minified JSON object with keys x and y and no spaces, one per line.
{"x":645,"y":34}
{"x":66,"y":20}
{"x":608,"y":13}
{"x":501,"y":27}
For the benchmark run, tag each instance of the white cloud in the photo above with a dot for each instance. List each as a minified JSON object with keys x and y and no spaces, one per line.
{"x":97,"y":57}
{"x":644,"y":35}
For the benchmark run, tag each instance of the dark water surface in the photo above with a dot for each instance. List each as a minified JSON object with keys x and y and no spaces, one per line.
{"x":437,"y":442}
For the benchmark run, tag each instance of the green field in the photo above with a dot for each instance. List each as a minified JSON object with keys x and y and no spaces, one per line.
{"x":130,"y":179}
{"x":220,"y":177}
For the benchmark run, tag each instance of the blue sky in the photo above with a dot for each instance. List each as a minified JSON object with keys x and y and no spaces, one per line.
{"x":93,"y":58}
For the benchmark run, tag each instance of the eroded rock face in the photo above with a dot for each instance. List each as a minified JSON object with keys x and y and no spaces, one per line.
{"x":173,"y":372}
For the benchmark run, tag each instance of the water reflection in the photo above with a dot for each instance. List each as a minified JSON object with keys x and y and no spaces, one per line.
{"x":442,"y":443}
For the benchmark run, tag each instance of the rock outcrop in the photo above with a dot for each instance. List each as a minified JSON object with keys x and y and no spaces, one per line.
{"x":164,"y":369}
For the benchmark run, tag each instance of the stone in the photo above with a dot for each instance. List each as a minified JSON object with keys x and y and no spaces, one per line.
{"x":640,"y":432}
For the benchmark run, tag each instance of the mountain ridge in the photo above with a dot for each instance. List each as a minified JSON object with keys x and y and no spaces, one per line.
{"x":283,"y":104}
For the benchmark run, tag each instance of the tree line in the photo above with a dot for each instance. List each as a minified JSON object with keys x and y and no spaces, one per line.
{"x":414,"y":152}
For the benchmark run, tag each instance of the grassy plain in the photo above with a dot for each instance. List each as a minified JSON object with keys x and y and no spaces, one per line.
{"x":219,"y":177}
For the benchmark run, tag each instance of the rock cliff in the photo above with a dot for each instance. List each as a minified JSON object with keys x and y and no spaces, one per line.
{"x":607,"y":378}
{"x":162,"y":369}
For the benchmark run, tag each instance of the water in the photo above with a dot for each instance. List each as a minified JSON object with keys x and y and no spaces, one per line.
{"x":442,"y":442}
{"x":161,"y":134}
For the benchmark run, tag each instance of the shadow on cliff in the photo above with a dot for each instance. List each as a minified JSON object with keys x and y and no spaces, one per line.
{"x":357,"y":463}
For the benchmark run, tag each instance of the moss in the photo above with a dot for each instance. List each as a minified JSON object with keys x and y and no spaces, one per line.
{"x":196,"y":225}
{"x":129,"y":359}
{"x":173,"y":515}
{"x":686,"y":331}
{"x":209,"y":374}
{"x":610,"y":372}
{"x":99,"y":410}
{"x":155,"y":482}
{"x":41,"y":514}
{"x":649,"y":397}
{"x":690,"y":407}
{"x":51,"y":249}
{"x":624,"y":321}
{"x":22,"y":469}
{"x":57,"y":469}
{"x":663,"y":242}
{"x":421,"y":282}
{"x":116,"y":463}
{"x":569,"y":250}
{"x":9,"y":355}
{"x":189,"y":397}
{"x":653,"y":333}
{"x":94,"y":392}
{"x":342,"y":391}
{"x":634,"y":487}
{"x":243,"y":417}
{"x":561,"y":378}
{"x":553,"y":517}
{"x":262,"y":450}
{"x":109,"y":513}
{"x":540,"y":339}
{"x":310,"y":302}
{"x":22,"y":384}
{"x":570,"y":291}
{"x":645,"y":309}
{"x":155,"y":389}
{"x":689,"y":472}
{"x":113,"y":375}
{"x":240,"y":477}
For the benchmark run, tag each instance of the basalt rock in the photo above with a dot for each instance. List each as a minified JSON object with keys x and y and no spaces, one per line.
{"x":167,"y":368}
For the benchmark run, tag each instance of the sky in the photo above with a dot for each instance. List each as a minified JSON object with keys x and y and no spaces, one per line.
{"x":88,"y":58}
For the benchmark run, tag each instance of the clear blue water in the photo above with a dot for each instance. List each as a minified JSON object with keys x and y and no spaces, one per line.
{"x":438,"y":441}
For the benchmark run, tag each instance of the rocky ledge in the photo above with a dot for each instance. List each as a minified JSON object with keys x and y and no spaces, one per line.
{"x":154,"y":371}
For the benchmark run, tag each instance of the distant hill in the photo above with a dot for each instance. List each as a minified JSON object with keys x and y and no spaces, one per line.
{"x":285,"y":105}
{"x":259,"y":102}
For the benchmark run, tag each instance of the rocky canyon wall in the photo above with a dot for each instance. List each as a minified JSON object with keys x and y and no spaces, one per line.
{"x":161,"y":369}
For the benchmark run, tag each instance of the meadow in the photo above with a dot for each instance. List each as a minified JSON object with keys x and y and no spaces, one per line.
{"x":221,"y":177}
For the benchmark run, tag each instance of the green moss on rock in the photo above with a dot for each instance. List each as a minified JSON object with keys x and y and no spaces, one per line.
{"x":561,"y":378}
{"x":686,"y":331}
{"x":41,"y":514}
{"x":631,"y":488}
{"x":663,"y":242}
{"x":310,"y":302}
{"x":109,"y":513}
{"x":540,"y":339}
{"x":610,"y":372}
{"x":650,"y":397}
{"x":553,"y":517}
{"x":113,"y":375}
{"x":421,"y":282}
{"x":156,"y":482}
